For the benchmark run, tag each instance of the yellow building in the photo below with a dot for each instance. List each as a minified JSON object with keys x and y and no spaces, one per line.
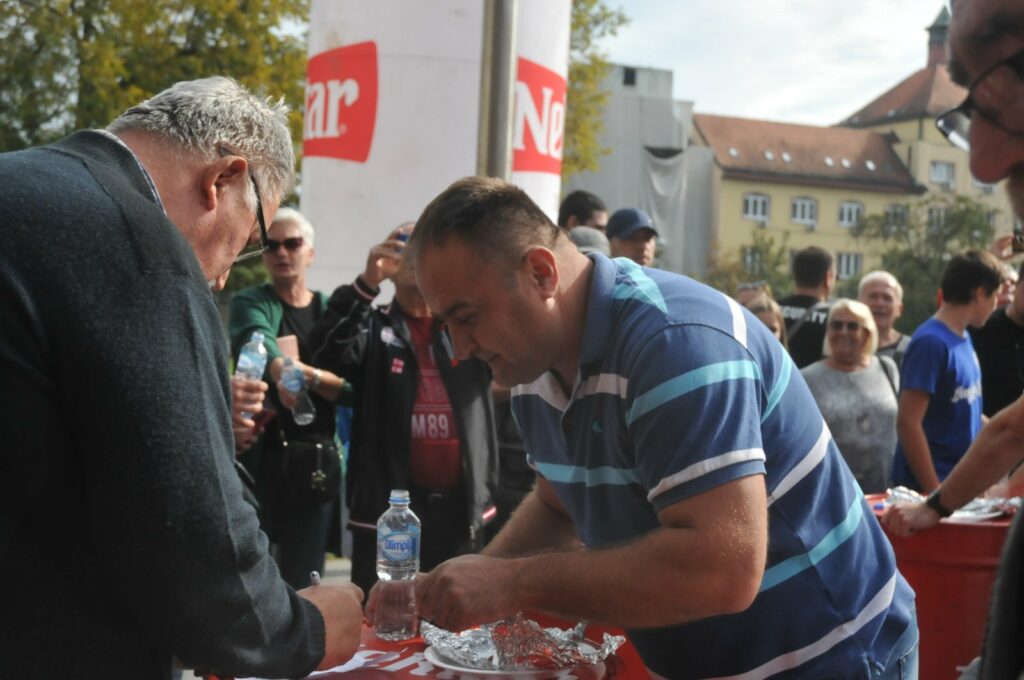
{"x":811,"y":183}
{"x":814,"y":183}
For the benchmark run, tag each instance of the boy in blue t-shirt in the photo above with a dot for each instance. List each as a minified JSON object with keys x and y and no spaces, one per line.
{"x":940,"y":398}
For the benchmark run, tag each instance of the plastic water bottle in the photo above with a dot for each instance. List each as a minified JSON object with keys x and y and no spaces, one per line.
{"x":291,"y":375}
{"x":398,"y":560}
{"x":252,"y":360}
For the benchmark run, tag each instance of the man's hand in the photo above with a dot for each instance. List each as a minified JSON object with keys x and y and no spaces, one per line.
{"x":246,"y":397}
{"x":468,"y":591}
{"x":341,"y":607}
{"x":383,"y":259}
{"x":1002,"y":247}
{"x":903,"y":520}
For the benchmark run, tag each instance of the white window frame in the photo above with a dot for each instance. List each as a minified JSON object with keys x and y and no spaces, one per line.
{"x":942,"y":173}
{"x":751,"y":260}
{"x":850,"y":213}
{"x":896,"y":215}
{"x":756,"y":207}
{"x":804,"y":210}
{"x":848,"y":265}
{"x":937,"y":216}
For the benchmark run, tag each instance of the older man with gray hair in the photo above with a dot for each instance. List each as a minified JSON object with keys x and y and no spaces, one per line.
{"x":883,"y":294}
{"x":124,"y":536}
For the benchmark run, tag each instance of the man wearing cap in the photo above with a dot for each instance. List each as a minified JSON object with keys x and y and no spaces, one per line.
{"x":631,"y":234}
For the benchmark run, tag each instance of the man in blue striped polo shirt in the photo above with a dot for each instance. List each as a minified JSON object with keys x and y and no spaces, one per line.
{"x":688,"y":488}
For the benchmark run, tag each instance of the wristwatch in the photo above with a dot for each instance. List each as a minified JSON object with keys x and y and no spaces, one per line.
{"x":935,"y":503}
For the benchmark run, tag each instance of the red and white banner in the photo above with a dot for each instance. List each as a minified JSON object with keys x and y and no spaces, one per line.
{"x":392,"y":115}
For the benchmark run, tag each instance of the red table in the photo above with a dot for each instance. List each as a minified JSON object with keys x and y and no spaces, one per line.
{"x":380,"y":660}
{"x":951,"y":568}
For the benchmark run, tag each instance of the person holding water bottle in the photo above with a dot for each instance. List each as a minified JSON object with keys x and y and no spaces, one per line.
{"x":295,"y":460}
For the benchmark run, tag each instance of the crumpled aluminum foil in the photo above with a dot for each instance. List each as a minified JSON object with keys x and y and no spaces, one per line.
{"x":979,"y":507}
{"x":517,"y":644}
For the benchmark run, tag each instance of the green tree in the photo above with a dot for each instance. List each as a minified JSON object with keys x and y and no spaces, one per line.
{"x":71,"y":64}
{"x":592,"y":20}
{"x":915,"y":246}
{"x":761,"y":260}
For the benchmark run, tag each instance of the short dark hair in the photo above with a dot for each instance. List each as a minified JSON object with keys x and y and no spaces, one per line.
{"x":810,"y":266}
{"x":496,"y":219}
{"x":966,"y":272}
{"x":581,"y":205}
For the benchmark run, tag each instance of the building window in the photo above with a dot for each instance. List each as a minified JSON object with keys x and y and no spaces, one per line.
{"x":629,"y":76}
{"x":805,"y":211}
{"x":850,"y":213}
{"x":751,"y":259}
{"x":942,"y":173}
{"x":896,"y":215}
{"x":936,"y":219}
{"x":755,"y":207}
{"x":985,"y":187}
{"x":848,"y":265}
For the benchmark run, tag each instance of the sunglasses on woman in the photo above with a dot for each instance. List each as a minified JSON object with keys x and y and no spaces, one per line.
{"x":851,"y":326}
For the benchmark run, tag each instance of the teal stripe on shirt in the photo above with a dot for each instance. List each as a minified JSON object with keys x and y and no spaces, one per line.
{"x":787,"y":569}
{"x":690,"y":381}
{"x":643,"y":288}
{"x":780,"y":385}
{"x":574,"y":474}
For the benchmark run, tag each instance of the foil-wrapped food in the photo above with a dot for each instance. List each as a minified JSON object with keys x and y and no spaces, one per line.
{"x":978,"y":509}
{"x":517,"y":644}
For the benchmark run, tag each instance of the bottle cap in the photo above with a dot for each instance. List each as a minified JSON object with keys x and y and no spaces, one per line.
{"x":257,"y":336}
{"x":399,"y":496}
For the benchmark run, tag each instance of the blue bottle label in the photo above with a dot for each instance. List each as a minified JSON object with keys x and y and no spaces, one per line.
{"x":399,"y":546}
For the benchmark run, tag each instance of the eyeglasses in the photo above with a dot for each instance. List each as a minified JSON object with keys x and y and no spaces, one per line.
{"x":252,"y":250}
{"x":293,"y":243}
{"x":752,"y":285}
{"x":997,"y":94}
{"x":851,"y":326}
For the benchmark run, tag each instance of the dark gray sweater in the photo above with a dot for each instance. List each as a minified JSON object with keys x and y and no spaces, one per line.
{"x":124,"y":537}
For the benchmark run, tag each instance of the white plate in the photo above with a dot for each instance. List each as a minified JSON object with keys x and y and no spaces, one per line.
{"x":592,"y":671}
{"x":961,"y":517}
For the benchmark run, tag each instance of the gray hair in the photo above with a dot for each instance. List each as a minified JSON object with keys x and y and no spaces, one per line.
{"x":298,"y":219}
{"x":879,"y":276}
{"x":863,"y":314}
{"x":213,"y":116}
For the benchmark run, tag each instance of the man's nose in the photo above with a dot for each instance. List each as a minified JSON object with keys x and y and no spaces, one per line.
{"x":995,"y":153}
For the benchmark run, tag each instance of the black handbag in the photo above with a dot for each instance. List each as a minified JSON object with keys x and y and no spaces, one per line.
{"x":310,"y":470}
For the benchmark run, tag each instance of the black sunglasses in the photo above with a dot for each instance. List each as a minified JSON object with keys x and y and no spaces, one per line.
{"x":997,"y":94}
{"x":837,"y":325}
{"x":293,"y":243}
{"x":255,"y":249}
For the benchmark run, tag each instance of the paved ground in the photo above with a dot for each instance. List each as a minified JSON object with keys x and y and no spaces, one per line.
{"x":337,"y":571}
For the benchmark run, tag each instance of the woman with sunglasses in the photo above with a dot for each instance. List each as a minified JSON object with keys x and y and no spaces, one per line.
{"x":857,"y":393}
{"x":297,"y":521}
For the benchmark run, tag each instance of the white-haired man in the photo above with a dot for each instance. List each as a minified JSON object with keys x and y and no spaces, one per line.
{"x":124,"y":536}
{"x":883,"y":294}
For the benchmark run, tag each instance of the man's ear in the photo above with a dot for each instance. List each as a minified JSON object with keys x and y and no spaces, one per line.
{"x":542,"y":268}
{"x":219,"y":175}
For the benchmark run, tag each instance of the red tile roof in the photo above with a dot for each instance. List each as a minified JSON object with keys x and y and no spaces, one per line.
{"x":926,"y":93}
{"x":801,"y":154}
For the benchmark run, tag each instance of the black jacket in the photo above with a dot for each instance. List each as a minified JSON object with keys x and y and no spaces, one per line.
{"x":371,"y":348}
{"x":124,"y":537}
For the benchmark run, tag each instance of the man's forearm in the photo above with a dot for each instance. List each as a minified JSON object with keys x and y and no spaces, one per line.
{"x":667,"y":577}
{"x":993,"y":454}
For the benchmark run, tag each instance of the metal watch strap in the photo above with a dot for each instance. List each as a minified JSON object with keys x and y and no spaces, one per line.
{"x":935,"y":503}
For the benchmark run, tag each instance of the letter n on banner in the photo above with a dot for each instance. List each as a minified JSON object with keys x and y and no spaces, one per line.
{"x":341,"y":102}
{"x":539,"y":128}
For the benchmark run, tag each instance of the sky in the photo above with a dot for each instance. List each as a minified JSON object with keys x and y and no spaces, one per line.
{"x":797,"y":61}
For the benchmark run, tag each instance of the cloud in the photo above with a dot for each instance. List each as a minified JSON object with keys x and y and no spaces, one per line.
{"x":807,"y":61}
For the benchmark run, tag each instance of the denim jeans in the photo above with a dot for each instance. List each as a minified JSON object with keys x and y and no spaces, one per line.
{"x":903,"y":662}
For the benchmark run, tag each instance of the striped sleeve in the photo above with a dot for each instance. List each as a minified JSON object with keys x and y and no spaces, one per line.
{"x":697,"y":411}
